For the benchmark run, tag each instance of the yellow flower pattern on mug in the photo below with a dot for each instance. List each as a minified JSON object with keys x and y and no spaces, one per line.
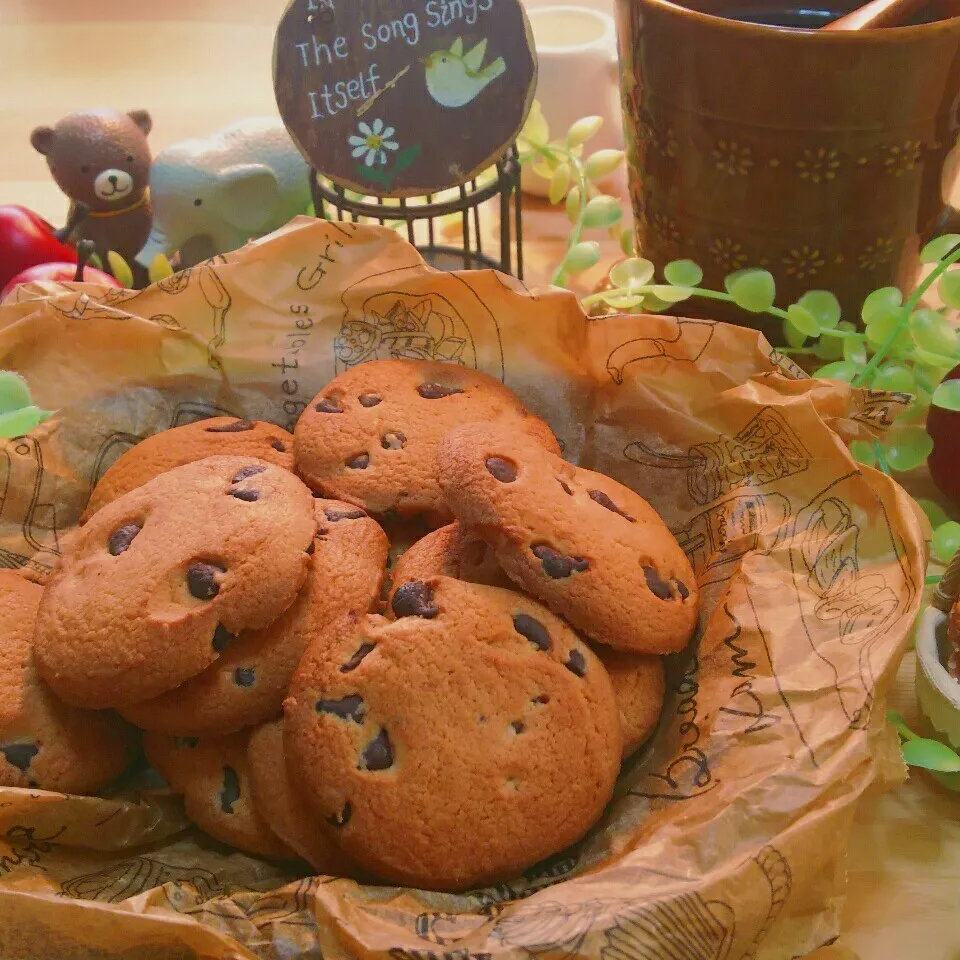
{"x":877,"y":254}
{"x":818,"y":166}
{"x":727,"y":254}
{"x":903,"y":157}
{"x":665,"y":227}
{"x":732,"y":158}
{"x":803,"y":262}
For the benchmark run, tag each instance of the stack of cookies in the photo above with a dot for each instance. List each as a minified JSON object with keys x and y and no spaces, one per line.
{"x":409,"y":643}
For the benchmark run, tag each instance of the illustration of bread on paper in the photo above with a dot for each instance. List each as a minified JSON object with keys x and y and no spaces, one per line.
{"x":455,"y":78}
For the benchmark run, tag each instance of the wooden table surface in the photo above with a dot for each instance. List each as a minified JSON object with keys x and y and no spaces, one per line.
{"x":200,"y":64}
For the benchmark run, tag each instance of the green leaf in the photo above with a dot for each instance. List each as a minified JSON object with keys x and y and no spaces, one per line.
{"x":752,"y":290}
{"x":881,"y":302}
{"x":854,"y":350}
{"x":840,"y":370}
{"x":946,"y":541}
{"x":823,"y":305}
{"x":938,"y":248}
{"x":624,"y":302}
{"x":22,"y":421}
{"x":949,"y":289}
{"x":803,"y":320}
{"x":863,"y":452}
{"x":671,"y":294}
{"x":626,"y":242}
{"x":404,"y":158}
{"x":894,"y":378}
{"x":535,"y":130}
{"x":653,"y":304}
{"x":160,"y":268}
{"x":947,"y":395}
{"x":930,"y":755}
{"x":95,"y":262}
{"x":583,"y":130}
{"x":907,"y":448}
{"x":793,"y":336}
{"x":602,"y":163}
{"x":935,"y":513}
{"x":559,"y":183}
{"x":933,"y":332}
{"x":683,"y":273}
{"x":573,"y":204}
{"x":120,"y":269}
{"x":632,"y":273}
{"x":896,"y":718}
{"x":602,"y":211}
{"x":14,"y":392}
{"x":581,"y":256}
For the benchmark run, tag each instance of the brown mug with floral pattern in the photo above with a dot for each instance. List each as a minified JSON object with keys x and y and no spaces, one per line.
{"x":827,"y":158}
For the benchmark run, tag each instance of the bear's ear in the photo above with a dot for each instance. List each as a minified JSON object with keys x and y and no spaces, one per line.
{"x":42,"y":139}
{"x":143,"y":120}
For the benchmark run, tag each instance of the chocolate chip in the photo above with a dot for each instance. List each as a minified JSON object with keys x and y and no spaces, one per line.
{"x":349,"y":708}
{"x":238,"y":426}
{"x":357,"y":658}
{"x":360,"y":462}
{"x":682,"y":589}
{"x":249,"y":471}
{"x":659,"y":588}
{"x":566,"y":489}
{"x":394,"y":440}
{"x":414,"y":599}
{"x":278,"y":446}
{"x":598,"y":496}
{"x":222,"y":638}
{"x":558,"y":565}
{"x":377,"y":754}
{"x":311,"y":549}
{"x":248,"y":496}
{"x":327,"y":405}
{"x":334,"y":515}
{"x":186,"y":741}
{"x":518,"y":726}
{"x":231,"y":790}
{"x":202,"y":580}
{"x":20,"y":755}
{"x":369,"y":399}
{"x":576,"y":663}
{"x":502,"y":469}
{"x":541,"y":698}
{"x":533,"y":630}
{"x":244,"y":676}
{"x":342,"y":818}
{"x":121,"y":539}
{"x":436,"y":391}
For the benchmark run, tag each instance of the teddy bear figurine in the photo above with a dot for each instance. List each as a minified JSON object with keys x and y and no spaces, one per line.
{"x":101,"y":161}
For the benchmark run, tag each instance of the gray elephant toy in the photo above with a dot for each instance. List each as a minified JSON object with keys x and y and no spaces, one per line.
{"x":212,"y":195}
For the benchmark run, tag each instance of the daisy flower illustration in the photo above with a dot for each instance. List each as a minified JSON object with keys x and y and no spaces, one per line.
{"x":374,"y":142}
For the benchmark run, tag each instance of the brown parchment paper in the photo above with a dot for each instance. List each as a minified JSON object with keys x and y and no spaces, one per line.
{"x":726,"y":838}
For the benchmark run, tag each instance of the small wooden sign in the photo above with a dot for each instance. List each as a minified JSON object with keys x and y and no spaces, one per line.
{"x":404,"y":97}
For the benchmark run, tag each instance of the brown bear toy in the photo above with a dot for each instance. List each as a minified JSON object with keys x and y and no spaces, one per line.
{"x":101,"y":158}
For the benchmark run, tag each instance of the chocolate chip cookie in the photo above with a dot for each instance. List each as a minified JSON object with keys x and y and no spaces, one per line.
{"x":248,"y":682}
{"x":591,"y":549}
{"x":45,"y":743}
{"x":449,"y":552}
{"x":458,"y":744}
{"x":158,"y":583}
{"x":370,"y":436}
{"x":639,"y":684}
{"x":218,"y":437}
{"x":213,"y":775}
{"x":282,"y":807}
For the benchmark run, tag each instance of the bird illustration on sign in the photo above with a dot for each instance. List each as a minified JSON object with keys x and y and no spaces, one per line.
{"x":455,"y":78}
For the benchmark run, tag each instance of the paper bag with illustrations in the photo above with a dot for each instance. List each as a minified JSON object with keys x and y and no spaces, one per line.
{"x":726,"y":838}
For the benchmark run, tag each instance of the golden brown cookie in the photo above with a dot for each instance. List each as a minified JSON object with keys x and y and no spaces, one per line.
{"x":458,"y":744}
{"x":159,"y":582}
{"x":247,"y":684}
{"x":639,"y":684}
{"x":213,"y":774}
{"x":218,"y":437}
{"x":282,"y":807}
{"x":449,"y":552}
{"x":45,"y":743}
{"x":370,"y":436}
{"x":591,"y":549}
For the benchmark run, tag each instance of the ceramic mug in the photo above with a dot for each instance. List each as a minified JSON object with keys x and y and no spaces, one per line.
{"x":826,"y":158}
{"x":578,"y":75}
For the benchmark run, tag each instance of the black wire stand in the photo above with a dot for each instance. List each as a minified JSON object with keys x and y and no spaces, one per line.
{"x":331,"y":202}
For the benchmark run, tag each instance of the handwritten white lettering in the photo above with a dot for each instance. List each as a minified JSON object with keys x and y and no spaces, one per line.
{"x":322,"y":53}
{"x":334,"y":97}
{"x":407,"y":29}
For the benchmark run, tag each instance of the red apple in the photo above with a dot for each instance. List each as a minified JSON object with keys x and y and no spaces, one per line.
{"x":58,"y":272}
{"x":944,"y":463}
{"x":27,"y":240}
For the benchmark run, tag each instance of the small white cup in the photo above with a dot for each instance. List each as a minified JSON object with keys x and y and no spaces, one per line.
{"x":579,"y":75}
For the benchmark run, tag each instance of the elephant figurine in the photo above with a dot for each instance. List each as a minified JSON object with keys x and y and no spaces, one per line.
{"x":211,"y":195}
